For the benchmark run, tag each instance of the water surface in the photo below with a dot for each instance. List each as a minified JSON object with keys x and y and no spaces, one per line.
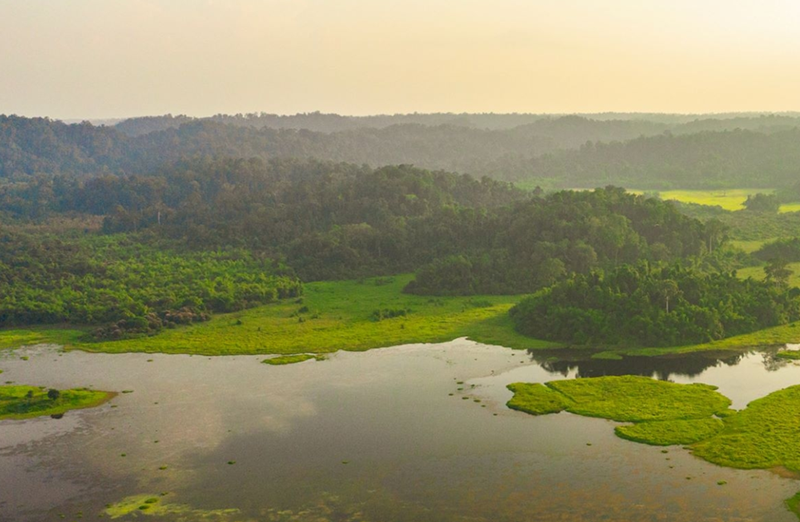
{"x":368,"y":436}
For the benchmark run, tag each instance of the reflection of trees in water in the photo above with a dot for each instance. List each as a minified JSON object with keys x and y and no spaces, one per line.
{"x":771,"y":362}
{"x":661,"y":367}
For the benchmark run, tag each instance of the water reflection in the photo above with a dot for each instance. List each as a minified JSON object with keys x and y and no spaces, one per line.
{"x":399,"y":434}
{"x":580,"y":364}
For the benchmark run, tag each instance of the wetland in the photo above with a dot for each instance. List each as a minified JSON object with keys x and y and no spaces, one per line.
{"x":377,"y":435}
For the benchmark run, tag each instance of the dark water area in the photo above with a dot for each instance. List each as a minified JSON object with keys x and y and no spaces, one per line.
{"x":385,"y":435}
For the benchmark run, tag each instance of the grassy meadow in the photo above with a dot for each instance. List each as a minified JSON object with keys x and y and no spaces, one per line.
{"x":340,"y":315}
{"x":757,"y":272}
{"x":729,"y":199}
{"x":331,"y":316}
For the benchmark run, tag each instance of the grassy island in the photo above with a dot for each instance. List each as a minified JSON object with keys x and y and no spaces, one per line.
{"x":24,"y":402}
{"x":663,"y":413}
{"x":761,"y":436}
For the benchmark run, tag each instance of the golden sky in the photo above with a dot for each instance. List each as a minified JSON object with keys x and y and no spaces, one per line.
{"x":114,"y":58}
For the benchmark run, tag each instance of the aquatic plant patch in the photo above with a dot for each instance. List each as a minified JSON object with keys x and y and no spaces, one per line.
{"x":155,"y":506}
{"x":763,"y":435}
{"x":632,"y":398}
{"x":292,"y":359}
{"x":670,"y":432}
{"x":536,"y":399}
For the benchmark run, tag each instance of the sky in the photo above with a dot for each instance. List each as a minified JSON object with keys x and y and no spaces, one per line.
{"x":75,"y":59}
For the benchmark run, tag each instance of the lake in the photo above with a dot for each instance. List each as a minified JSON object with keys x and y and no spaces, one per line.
{"x":384,"y":435}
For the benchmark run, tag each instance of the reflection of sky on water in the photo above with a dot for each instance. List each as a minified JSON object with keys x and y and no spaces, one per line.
{"x":379,"y":430}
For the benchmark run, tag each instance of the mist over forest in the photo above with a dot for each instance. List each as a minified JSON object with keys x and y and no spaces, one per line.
{"x":642,"y":151}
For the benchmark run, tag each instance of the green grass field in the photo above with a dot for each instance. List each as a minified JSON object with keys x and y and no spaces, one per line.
{"x":730,"y":199}
{"x":750,"y":246}
{"x":757,"y":273}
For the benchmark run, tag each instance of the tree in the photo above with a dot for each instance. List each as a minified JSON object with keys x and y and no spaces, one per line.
{"x":715,"y":231}
{"x":53,"y":394}
{"x":777,"y":271}
{"x":763,"y":203}
{"x":669,"y":289}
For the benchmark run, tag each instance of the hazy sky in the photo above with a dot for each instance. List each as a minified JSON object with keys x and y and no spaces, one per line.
{"x":110,"y":58}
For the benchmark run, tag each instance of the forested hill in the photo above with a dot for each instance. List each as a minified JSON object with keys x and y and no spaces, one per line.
{"x":559,"y":152}
{"x":625,"y":123}
{"x":704,"y":160}
{"x":212,"y":235}
{"x":329,"y":220}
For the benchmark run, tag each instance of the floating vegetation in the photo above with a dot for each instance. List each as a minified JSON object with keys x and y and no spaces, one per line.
{"x":763,"y":435}
{"x":671,"y":432}
{"x":154,"y":505}
{"x":536,"y":399}
{"x":663,"y":413}
{"x":292,"y":359}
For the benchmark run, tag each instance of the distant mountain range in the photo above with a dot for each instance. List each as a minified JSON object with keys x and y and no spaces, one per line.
{"x":645,"y":151}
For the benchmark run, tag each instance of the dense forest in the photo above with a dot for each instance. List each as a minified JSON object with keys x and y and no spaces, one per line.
{"x":642,"y":306}
{"x":181,"y":218}
{"x":339,"y":220}
{"x":127,"y":285}
{"x":217,"y":235}
{"x":538,"y":242}
{"x":565,"y":152}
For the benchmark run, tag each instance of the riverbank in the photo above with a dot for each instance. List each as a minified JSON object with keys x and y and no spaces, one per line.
{"x":356,"y":316}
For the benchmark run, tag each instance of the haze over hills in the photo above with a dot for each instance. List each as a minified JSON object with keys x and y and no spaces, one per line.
{"x":566,"y":151}
{"x":321,"y":122}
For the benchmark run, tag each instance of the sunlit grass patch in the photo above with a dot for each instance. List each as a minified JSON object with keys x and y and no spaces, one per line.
{"x":341,"y":318}
{"x":757,"y":273}
{"x":750,"y":246}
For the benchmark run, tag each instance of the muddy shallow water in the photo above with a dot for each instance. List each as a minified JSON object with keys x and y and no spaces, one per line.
{"x":366,"y":436}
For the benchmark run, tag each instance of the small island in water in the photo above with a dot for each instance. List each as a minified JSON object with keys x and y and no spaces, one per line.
{"x":25,"y":402}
